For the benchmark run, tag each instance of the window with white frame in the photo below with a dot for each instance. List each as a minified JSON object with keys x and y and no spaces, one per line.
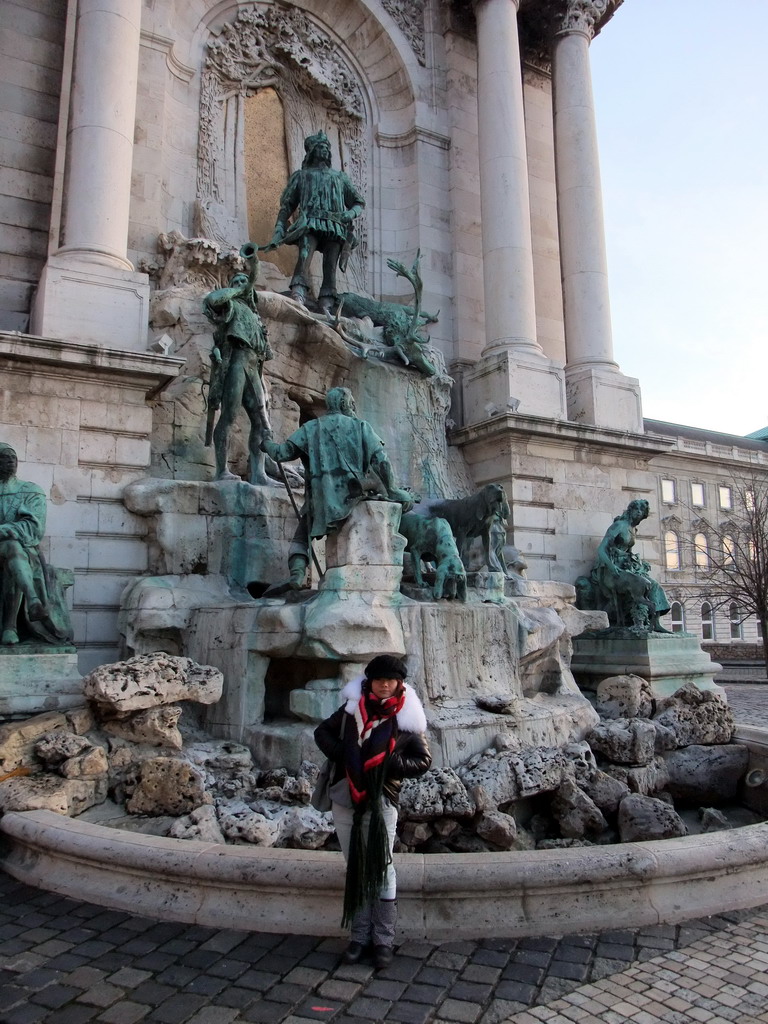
{"x":701,"y":551}
{"x":734,"y":614}
{"x":759,"y":629}
{"x":724,"y":497}
{"x":697,"y":495}
{"x":668,"y":491}
{"x":671,"y":550}
{"x":707,"y":622}
{"x":749,"y":500}
{"x":677,"y":617}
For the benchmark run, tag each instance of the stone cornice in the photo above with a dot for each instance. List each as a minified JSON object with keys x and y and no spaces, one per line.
{"x":558,"y":433}
{"x":144,"y":370}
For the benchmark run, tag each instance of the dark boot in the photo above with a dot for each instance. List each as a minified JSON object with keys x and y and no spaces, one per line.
{"x":360,"y":935}
{"x":383,"y":921}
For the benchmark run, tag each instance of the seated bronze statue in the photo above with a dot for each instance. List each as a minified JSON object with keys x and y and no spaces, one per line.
{"x":620,"y":582}
{"x":31,"y":599}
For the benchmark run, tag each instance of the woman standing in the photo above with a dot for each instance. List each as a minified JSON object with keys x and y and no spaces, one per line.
{"x":375,"y":740}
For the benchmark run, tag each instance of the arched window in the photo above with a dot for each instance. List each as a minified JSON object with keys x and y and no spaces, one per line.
{"x":671,"y":550}
{"x":701,"y":551}
{"x":707,"y":622}
{"x":734,"y":614}
{"x":677,"y":617}
{"x":729,"y":550}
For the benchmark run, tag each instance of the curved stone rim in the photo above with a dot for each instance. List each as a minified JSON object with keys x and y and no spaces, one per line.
{"x":441,"y":896}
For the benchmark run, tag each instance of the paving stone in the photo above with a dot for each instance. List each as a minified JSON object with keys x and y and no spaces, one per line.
{"x":337,"y":988}
{"x":472,"y":992}
{"x":435,"y":976}
{"x":178,"y":1008}
{"x":429,"y":994}
{"x":385,"y":988}
{"x":401,"y":969}
{"x":305,"y":976}
{"x":284,"y":993}
{"x":213,"y":1015}
{"x":55,"y":995}
{"x":459,"y":1010}
{"x":369,"y":1008}
{"x":76,"y":1013}
{"x":409,"y":1013}
{"x":316,"y":1009}
{"x":500,"y":1011}
{"x":125,"y":1012}
{"x":524,"y":973}
{"x":102,"y":994}
{"x":263,"y":1011}
{"x":516,"y":991}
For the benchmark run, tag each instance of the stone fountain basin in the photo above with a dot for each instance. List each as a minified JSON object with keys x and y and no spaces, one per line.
{"x":441,"y":896}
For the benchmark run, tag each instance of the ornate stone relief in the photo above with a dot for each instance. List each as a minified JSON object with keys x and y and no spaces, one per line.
{"x":275,"y":47}
{"x":409,"y":15}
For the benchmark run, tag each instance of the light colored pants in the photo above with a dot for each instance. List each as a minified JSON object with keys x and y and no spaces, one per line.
{"x":342,"y":819}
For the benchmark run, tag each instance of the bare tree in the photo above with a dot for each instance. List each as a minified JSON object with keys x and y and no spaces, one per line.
{"x":735,"y":562}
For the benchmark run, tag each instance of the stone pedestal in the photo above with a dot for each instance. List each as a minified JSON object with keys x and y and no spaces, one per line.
{"x":90,"y":302}
{"x":667,"y":660}
{"x":510,"y":381}
{"x":35,"y":678}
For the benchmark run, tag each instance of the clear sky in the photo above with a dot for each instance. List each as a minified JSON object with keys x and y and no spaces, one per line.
{"x":681,"y":93}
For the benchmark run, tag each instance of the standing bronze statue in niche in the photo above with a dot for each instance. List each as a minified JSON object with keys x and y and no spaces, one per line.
{"x":325,"y":204}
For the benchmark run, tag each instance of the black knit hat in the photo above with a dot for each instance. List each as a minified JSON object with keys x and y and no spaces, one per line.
{"x":386,"y":666}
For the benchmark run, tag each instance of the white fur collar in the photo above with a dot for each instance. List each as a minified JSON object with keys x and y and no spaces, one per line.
{"x":410,"y":718}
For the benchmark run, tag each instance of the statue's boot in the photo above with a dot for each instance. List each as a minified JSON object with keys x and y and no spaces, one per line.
{"x":297,"y":565}
{"x":9,"y":637}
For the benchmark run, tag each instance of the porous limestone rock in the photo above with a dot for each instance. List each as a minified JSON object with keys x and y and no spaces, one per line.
{"x":666,"y":738}
{"x":646,"y":779}
{"x":52,"y":793}
{"x":167,"y":785}
{"x":88,"y":765}
{"x":150,"y":680}
{"x":606,"y":791}
{"x":576,"y":813}
{"x":500,"y":777}
{"x":53,"y":748}
{"x":498,"y":828}
{"x":202,"y":825}
{"x":696,"y":716}
{"x":414,"y":833}
{"x":713,"y":820}
{"x":643,"y":818}
{"x":624,"y":741}
{"x":304,"y":828}
{"x":156,"y":727}
{"x":80,"y":720}
{"x":711,"y":774}
{"x":627,"y":696}
{"x":241,"y":824}
{"x":438,"y":793}
{"x":17,"y":739}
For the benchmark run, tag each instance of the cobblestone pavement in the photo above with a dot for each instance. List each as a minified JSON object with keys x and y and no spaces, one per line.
{"x":66,"y":962}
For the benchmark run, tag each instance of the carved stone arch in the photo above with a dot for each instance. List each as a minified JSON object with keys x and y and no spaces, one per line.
{"x":321,"y":83}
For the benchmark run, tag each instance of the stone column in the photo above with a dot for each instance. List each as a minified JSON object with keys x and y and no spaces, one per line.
{"x":597,"y":392}
{"x":513,"y":371}
{"x":89,"y":291}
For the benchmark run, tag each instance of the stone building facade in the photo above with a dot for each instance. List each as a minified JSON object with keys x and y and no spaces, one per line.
{"x":130,"y":127}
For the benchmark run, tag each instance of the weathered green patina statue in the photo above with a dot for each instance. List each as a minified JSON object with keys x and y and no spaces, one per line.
{"x":239,"y":352}
{"x":32,"y":605}
{"x":345,"y":463}
{"x":401,"y":324}
{"x":620,"y":582}
{"x":326,"y":204}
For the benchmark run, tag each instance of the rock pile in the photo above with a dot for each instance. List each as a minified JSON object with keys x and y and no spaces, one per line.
{"x":619,"y":785}
{"x":127,"y":745}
